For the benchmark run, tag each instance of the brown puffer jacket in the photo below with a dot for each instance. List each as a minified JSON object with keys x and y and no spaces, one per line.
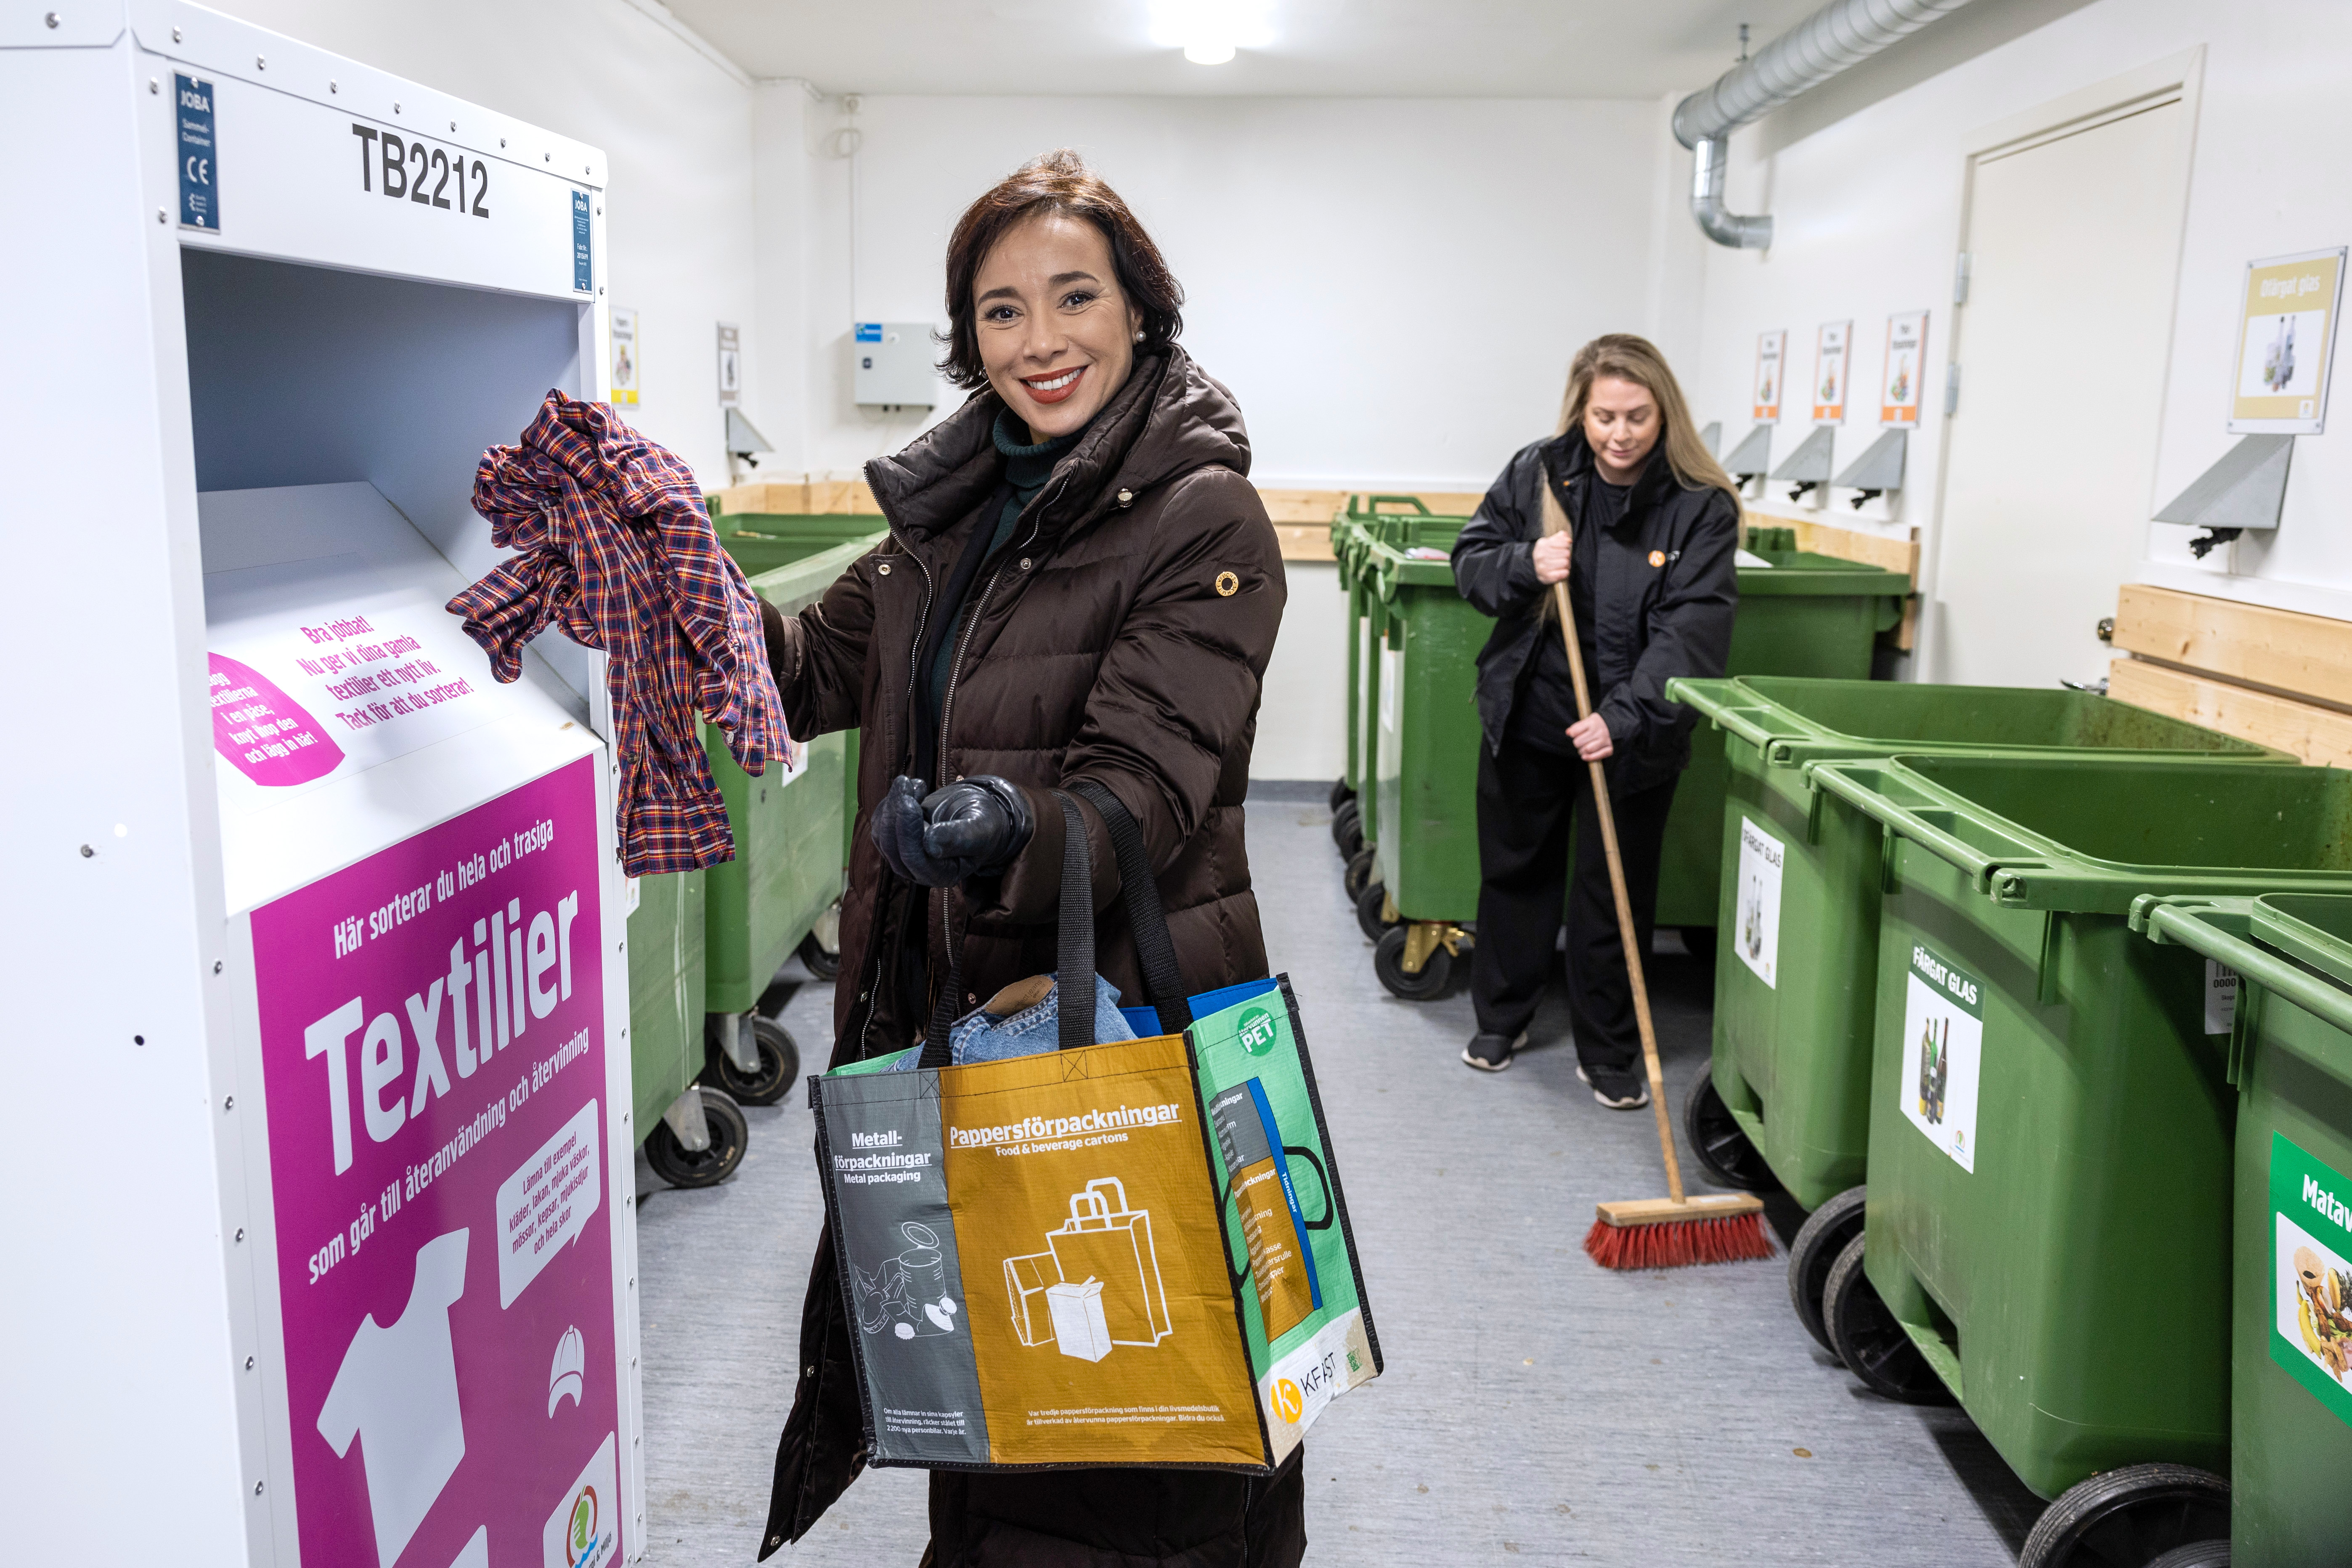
{"x":1120,"y":637}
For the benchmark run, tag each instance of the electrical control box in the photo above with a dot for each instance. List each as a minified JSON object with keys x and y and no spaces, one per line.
{"x":893,"y":362}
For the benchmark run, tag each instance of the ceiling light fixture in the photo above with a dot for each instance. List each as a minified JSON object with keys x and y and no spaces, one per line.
{"x":1209,"y":31}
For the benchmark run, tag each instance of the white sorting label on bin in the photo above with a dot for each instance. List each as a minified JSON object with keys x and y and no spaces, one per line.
{"x":355,"y":677}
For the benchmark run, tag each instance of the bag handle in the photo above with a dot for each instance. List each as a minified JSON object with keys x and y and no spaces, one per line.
{"x":1146,"y":913}
{"x":1074,"y":951}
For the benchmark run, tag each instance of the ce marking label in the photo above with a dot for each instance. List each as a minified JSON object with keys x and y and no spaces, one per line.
{"x":191,"y":104}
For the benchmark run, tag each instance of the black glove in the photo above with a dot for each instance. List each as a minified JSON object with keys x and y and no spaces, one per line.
{"x":973,"y":827}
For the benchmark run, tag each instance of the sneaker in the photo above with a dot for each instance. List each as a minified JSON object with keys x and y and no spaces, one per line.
{"x":1618,"y":1091}
{"x":1492,"y":1053}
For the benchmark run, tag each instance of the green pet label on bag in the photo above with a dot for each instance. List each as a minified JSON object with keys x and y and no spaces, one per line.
{"x":2311,"y":1281}
{"x":1943,"y":1051}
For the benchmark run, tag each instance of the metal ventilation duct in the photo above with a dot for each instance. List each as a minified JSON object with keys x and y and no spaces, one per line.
{"x":1841,"y":34}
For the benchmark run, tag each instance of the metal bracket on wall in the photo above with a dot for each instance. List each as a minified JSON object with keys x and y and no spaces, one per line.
{"x":2245,"y":489}
{"x":1752,"y":457}
{"x":1878,"y":469}
{"x":1810,"y":464}
{"x":1712,"y":438}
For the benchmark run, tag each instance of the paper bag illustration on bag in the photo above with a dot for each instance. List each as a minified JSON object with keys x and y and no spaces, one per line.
{"x":1098,"y":1283}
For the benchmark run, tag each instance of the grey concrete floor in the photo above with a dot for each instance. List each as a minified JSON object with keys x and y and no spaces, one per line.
{"x":1534,"y":1407}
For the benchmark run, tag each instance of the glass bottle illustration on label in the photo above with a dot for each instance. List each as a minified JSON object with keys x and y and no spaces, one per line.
{"x":1934,"y":1068}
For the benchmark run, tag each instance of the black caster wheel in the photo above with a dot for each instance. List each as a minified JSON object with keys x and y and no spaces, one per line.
{"x":1359,"y":871}
{"x":2135,"y":1518}
{"x":1723,"y":1150}
{"x":1866,"y":1336}
{"x":729,"y":1131}
{"x":1388,"y":963}
{"x":1823,"y":1236}
{"x":1340,"y":794}
{"x":780,"y":1065}
{"x":1369,"y":905}
{"x":1347,"y":828}
{"x":813,"y":957}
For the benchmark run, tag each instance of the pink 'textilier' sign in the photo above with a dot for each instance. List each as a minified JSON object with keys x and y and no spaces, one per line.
{"x":433,"y":1053}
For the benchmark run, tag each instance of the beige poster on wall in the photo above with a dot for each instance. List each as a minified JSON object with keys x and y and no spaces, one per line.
{"x":1771,"y":360}
{"x":2286,"y":337}
{"x":624,"y":357}
{"x":1906,"y":369}
{"x":1830,"y":372}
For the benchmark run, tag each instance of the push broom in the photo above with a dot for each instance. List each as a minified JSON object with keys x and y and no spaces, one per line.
{"x":1677,"y":1229}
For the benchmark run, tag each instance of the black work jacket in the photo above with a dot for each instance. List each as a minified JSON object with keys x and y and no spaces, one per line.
{"x":1664,"y":585}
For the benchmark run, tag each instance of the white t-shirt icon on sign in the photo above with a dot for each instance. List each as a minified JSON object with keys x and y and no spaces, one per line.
{"x":398,"y":1391}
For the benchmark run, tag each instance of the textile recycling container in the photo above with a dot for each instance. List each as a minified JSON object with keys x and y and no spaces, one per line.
{"x":1795,"y":973}
{"x":1800,"y":614}
{"x":2290,"y":1056}
{"x":2048,"y":1212}
{"x":790,"y":840}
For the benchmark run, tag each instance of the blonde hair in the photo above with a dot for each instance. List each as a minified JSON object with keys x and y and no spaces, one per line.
{"x":1637,"y":359}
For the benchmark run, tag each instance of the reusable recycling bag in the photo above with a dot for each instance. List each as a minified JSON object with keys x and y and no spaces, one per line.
{"x":1074,"y":1256}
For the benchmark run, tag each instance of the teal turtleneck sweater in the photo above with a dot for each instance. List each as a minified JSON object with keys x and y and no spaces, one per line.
{"x":1026,"y":470}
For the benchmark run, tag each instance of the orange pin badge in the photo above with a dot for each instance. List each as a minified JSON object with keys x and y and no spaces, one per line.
{"x":1657,"y":558}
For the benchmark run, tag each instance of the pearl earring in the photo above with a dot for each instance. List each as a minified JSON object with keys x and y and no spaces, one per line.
{"x":1138,"y":337}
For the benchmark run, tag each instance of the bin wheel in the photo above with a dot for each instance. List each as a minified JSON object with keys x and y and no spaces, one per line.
{"x":824,"y":965}
{"x":1347,"y":828}
{"x":1369,"y":905}
{"x":780,"y":1065}
{"x":729,"y":1131}
{"x":1823,"y":1236}
{"x":2196,"y":1554}
{"x":1870,"y":1340}
{"x":1359,"y":871}
{"x":1340,"y":794}
{"x":2136,"y":1516}
{"x":1388,"y":963}
{"x":1723,"y":1150}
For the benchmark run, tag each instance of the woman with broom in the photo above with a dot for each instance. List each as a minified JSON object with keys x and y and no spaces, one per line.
{"x":1081,"y":583}
{"x":1641,"y":522}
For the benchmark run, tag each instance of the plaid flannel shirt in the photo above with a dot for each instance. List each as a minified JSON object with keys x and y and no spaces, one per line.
{"x":617,"y":550}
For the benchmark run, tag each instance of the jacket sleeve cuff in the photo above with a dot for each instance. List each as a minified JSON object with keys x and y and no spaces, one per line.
{"x":1521,"y":567}
{"x":1029,"y":891}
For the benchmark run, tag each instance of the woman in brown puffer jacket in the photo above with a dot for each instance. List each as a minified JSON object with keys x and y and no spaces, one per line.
{"x":1080,"y":583}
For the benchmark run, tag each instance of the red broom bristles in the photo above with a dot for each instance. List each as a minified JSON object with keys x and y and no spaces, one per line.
{"x":1675,"y":1244}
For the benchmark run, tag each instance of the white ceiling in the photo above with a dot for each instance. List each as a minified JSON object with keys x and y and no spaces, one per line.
{"x":1435,"y":48}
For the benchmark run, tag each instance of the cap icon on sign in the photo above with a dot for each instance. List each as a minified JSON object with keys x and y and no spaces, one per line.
{"x":564,"y":1377}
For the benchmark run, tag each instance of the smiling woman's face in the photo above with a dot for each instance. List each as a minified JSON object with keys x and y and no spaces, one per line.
{"x":1055,"y":334}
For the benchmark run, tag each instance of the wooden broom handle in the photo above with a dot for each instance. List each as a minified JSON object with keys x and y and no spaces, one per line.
{"x":1624,"y":903}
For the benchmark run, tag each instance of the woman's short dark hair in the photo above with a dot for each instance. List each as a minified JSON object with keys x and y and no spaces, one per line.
{"x":1059,"y":182}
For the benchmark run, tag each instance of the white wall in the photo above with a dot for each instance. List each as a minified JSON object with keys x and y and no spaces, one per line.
{"x":1391,"y":289}
{"x":1863,"y":180}
{"x":675,"y":124}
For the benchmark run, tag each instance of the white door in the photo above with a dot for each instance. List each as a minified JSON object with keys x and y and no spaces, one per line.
{"x":2073,"y":243}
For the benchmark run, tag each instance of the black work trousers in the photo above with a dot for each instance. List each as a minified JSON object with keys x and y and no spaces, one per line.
{"x":1527,"y":800}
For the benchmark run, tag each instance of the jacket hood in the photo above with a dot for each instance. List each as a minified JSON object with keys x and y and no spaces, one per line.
{"x":1169,"y":418}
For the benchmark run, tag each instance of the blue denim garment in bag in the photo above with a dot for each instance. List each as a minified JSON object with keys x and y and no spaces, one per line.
{"x":981,"y":1035}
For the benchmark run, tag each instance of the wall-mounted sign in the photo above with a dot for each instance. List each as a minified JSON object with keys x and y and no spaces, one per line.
{"x":1906,"y":368}
{"x":2286,"y":336}
{"x":1770,"y":360}
{"x":624,"y":357}
{"x":730,"y":365}
{"x":1829,"y":371}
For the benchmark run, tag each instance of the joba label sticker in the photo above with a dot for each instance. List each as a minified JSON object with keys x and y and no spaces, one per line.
{"x":1757,"y":937}
{"x":2311,"y":1281}
{"x":2221,"y":996}
{"x":1943,"y":1049}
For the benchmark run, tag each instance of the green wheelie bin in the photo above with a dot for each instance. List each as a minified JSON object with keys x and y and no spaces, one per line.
{"x":1367,"y":520}
{"x":786,"y":875}
{"x":693,"y":1135}
{"x":1800,"y":614}
{"x":2047,"y":1222}
{"x":2290,"y":1056}
{"x":1795,"y":976}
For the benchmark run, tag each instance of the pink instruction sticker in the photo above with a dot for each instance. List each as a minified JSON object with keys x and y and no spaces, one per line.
{"x":268,"y":736}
